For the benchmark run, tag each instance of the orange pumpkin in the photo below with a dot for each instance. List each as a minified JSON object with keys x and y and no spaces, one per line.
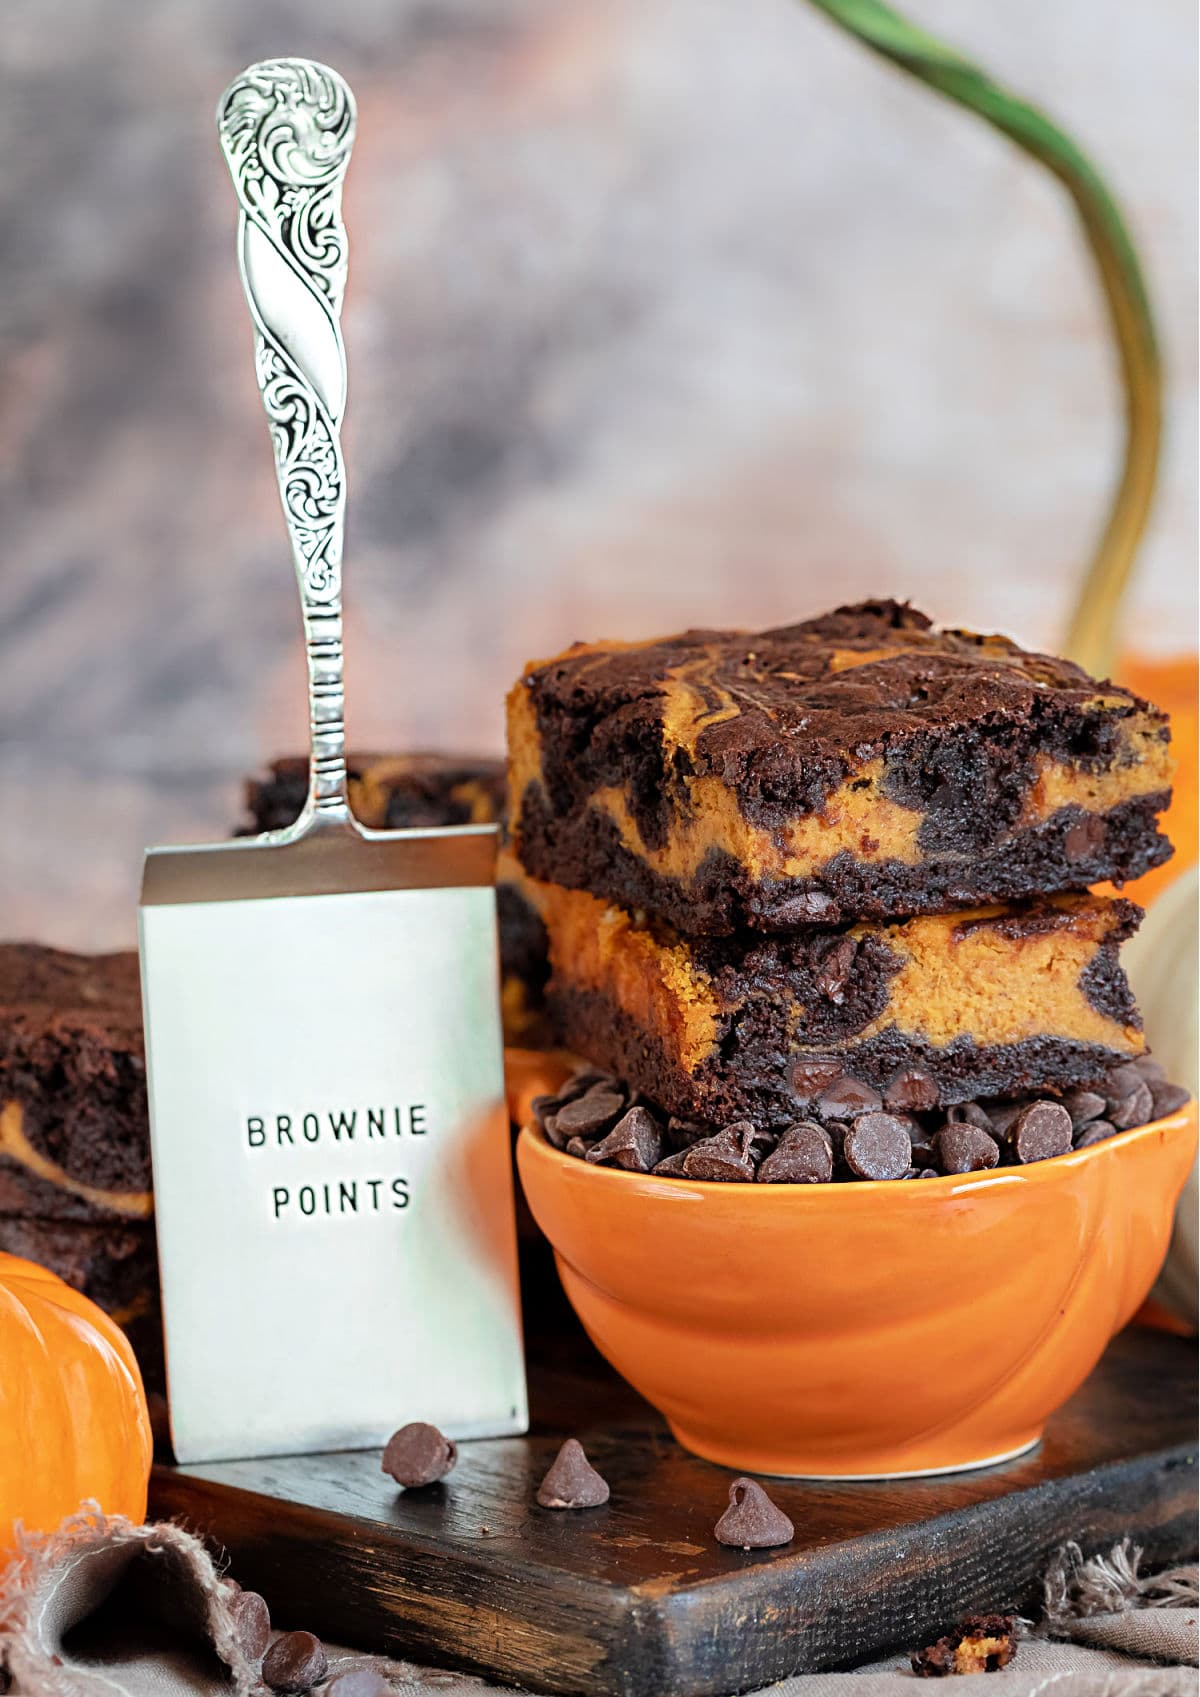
{"x":73,"y":1420}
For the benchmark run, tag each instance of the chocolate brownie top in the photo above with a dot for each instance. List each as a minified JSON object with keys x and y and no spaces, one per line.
{"x":43,"y":988}
{"x":387,"y":791}
{"x":781,"y":716}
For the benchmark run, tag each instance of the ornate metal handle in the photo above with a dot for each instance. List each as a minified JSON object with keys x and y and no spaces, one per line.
{"x":286,"y":129}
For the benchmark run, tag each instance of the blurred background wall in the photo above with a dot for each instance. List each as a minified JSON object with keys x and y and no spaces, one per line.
{"x":661,"y":312}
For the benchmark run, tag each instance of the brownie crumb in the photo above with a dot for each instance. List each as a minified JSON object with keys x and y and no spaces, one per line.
{"x":982,"y":1644}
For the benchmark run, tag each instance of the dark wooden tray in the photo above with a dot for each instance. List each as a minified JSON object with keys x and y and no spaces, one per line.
{"x":636,"y":1599}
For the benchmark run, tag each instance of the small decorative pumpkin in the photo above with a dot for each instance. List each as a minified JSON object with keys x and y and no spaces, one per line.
{"x":73,"y":1421}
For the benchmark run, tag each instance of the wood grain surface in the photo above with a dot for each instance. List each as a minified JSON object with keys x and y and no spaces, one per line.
{"x":636,"y":1599}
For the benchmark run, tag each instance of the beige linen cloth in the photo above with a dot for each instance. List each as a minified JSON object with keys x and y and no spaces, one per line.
{"x":108,"y":1609}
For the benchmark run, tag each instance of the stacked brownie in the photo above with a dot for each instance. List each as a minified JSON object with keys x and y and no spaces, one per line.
{"x":75,"y":1187}
{"x":836,"y":876}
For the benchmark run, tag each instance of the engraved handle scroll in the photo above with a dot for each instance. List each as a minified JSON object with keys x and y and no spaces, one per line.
{"x":286,"y":128}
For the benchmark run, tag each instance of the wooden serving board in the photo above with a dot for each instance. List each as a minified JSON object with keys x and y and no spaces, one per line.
{"x":636,"y":1599}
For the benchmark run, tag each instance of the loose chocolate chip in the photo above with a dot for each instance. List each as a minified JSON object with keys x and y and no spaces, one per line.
{"x":752,"y":1521}
{"x":803,"y":1155}
{"x":1083,"y":1105}
{"x":970,"y":1113}
{"x":1085,"y":839}
{"x":878,"y":1146}
{"x":1123,"y":1081}
{"x":846,"y":1099}
{"x":295,"y":1663}
{"x":834,"y":972}
{"x":251,"y":1622}
{"x":593,"y":1112}
{"x":635,"y":1143}
{"x":681,"y":1134}
{"x":1095,"y":1132}
{"x":543,"y":1108}
{"x":358,"y":1682}
{"x":1003,"y":1115}
{"x":966,"y":1149}
{"x":725,"y":1158}
{"x":912,"y":1091}
{"x":558,"y":1139}
{"x":572,"y":1481}
{"x":584,"y":1080}
{"x":1167,"y":1098}
{"x":809,"y":907}
{"x":672,"y":1166}
{"x":811,"y":1077}
{"x":1137,"y":1108}
{"x":418,"y":1455}
{"x":1041,"y":1130}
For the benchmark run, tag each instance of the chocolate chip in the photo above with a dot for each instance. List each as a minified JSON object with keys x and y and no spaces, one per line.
{"x":1167,"y":1098}
{"x":635,"y":1143}
{"x":250,"y":1620}
{"x":572,"y":1481}
{"x":584,"y":1080}
{"x":878,"y":1146}
{"x":752,"y":1521}
{"x":295,"y":1663}
{"x":1084,"y":840}
{"x":418,"y":1455}
{"x":928,"y":1172}
{"x":543,"y":1108}
{"x":1003,"y":1116}
{"x":681,"y":1134}
{"x":1151,"y":1070}
{"x":912,"y":1091}
{"x":1094,"y":1132}
{"x":1041,"y":1130}
{"x":557,"y":1139}
{"x":808,"y":907}
{"x":924,"y":1152}
{"x":358,"y":1682}
{"x":834,"y":972}
{"x":966,"y":1149}
{"x":592,"y":1112}
{"x":812,"y":1076}
{"x":969,"y":1113}
{"x":672,"y":1166}
{"x":846,"y":1098}
{"x":1137,"y":1108}
{"x":803,"y":1155}
{"x":725,"y":1158}
{"x":579,"y":1147}
{"x":1122,"y":1081}
{"x":1083,"y":1105}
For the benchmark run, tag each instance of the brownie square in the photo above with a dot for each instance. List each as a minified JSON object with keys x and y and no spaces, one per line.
{"x":74,"y":1125}
{"x":927,"y":1012}
{"x":862,"y":764}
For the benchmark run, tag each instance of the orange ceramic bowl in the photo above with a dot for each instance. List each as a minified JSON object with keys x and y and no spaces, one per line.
{"x":862,"y":1330}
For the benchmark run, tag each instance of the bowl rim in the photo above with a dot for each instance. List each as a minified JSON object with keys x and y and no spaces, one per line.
{"x":946,"y":1186}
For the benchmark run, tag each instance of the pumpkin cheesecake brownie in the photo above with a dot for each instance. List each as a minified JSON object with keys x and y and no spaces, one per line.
{"x":928,"y":1012}
{"x":75,"y":1181}
{"x":862,"y":764}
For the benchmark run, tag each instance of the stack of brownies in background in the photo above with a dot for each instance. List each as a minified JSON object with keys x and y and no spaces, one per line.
{"x":817,"y":899}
